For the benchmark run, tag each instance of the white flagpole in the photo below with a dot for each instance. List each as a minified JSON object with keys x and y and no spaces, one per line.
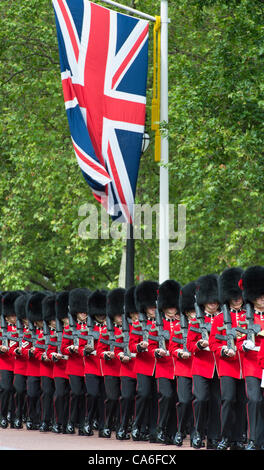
{"x":131,"y":10}
{"x":164,"y":173}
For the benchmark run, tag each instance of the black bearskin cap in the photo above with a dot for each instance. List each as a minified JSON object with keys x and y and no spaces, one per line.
{"x":228,"y":287}
{"x":78,"y":299}
{"x":252,"y":283}
{"x":146,"y":294}
{"x":48,"y":308}
{"x":97,"y":303}
{"x":34,"y":306}
{"x":115,"y":302}
{"x":187,"y":298}
{"x":130,"y":306}
{"x":20,"y":306}
{"x":207,"y":289}
{"x":62,"y":304}
{"x":168,"y":294}
{"x":8,"y":301}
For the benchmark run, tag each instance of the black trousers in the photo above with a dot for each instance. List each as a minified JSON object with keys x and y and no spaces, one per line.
{"x":185,"y":407}
{"x":48,"y":389}
{"x":233,"y":408}
{"x":33,"y":398}
{"x":20,"y":386}
{"x":7,"y":395}
{"x":95,"y":399}
{"x":127,"y":400}
{"x":167,"y":414}
{"x":61,"y":400}
{"x":112,"y":404}
{"x":146,"y":403}
{"x":255,"y":410}
{"x":78,"y":400}
{"x":207,"y":406}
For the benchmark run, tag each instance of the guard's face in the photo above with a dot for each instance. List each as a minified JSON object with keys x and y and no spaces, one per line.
{"x":171,"y":313}
{"x":211,"y":308}
{"x":118,"y":319}
{"x":259,"y":303}
{"x":11,"y":319}
{"x":100,"y":318}
{"x":134,"y":316}
{"x":151,"y":312}
{"x":81,"y":316}
{"x":236,"y":303}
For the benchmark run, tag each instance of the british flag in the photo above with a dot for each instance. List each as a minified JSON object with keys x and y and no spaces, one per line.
{"x":104,"y":62}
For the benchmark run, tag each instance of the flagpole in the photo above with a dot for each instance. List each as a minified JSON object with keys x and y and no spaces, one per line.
{"x":164,"y":173}
{"x":131,"y":10}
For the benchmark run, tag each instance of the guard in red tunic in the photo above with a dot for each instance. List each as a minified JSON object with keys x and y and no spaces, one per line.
{"x":20,"y":363}
{"x":8,"y":328}
{"x":46,"y":364}
{"x":183,"y":364}
{"x":111,"y":363}
{"x":35,"y":326}
{"x":252,"y":285}
{"x":166,"y":316}
{"x":72,"y":344}
{"x":222,"y":341}
{"x":147,"y":396}
{"x":127,"y":359}
{"x":61,"y":378}
{"x":206,"y":384}
{"x":94,"y":379}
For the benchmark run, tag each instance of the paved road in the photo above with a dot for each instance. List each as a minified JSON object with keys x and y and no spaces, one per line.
{"x":22,"y":439}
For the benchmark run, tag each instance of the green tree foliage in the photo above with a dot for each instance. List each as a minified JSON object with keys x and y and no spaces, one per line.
{"x":215,"y":139}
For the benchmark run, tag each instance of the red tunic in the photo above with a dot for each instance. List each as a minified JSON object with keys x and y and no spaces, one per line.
{"x":33,"y":365}
{"x":164,"y":365}
{"x":109,"y":366}
{"x":20,"y":362}
{"x":251,"y":365}
{"x":75,"y":363}
{"x":228,"y":366}
{"x":182,"y":367}
{"x":46,"y":367}
{"x":7,"y":360}
{"x":92,"y":362}
{"x":126,"y":368}
{"x":59,"y":366}
{"x":204,"y":362}
{"x":145,"y":361}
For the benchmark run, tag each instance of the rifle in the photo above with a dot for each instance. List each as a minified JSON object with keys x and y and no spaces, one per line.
{"x":46,"y":334}
{"x":92,"y":335}
{"x":183,"y":331}
{"x":125,"y":336}
{"x":162,"y":335}
{"x":5,"y":335}
{"x":204,"y":328}
{"x":20,"y":330}
{"x":252,"y":328}
{"x":74,"y":332}
{"x":32,"y":330}
{"x":230,"y":335}
{"x":59,"y":330}
{"x":110,"y":333}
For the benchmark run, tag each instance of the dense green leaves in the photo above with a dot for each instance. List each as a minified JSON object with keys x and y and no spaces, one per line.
{"x":216,"y":110}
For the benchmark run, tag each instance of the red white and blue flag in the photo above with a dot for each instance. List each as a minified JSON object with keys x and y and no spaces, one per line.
{"x":104,"y":61}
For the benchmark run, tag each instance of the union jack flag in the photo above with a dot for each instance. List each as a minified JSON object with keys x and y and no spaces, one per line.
{"x":104,"y":61}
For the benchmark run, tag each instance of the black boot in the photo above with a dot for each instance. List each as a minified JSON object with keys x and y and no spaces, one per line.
{"x":196,"y":440}
{"x":18,"y":423}
{"x":70,"y":428}
{"x":44,"y":427}
{"x":135,"y":433}
{"x":3,"y":423}
{"x":122,"y":435}
{"x":57,"y":428}
{"x":178,"y":439}
{"x":224,"y":444}
{"x":88,"y":429}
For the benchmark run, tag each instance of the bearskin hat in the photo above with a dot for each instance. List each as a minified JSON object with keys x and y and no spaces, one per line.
{"x":97,"y":303}
{"x":62,"y":304}
{"x":48,"y":308}
{"x":115,"y":302}
{"x":20,"y":306}
{"x":78,"y":299}
{"x":34,"y":306}
{"x":252,"y":283}
{"x":187,"y":298}
{"x":207,"y":289}
{"x":146,"y":294}
{"x":8,"y":300}
{"x":228,"y":287}
{"x":168,"y":294}
{"x":130,"y":306}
